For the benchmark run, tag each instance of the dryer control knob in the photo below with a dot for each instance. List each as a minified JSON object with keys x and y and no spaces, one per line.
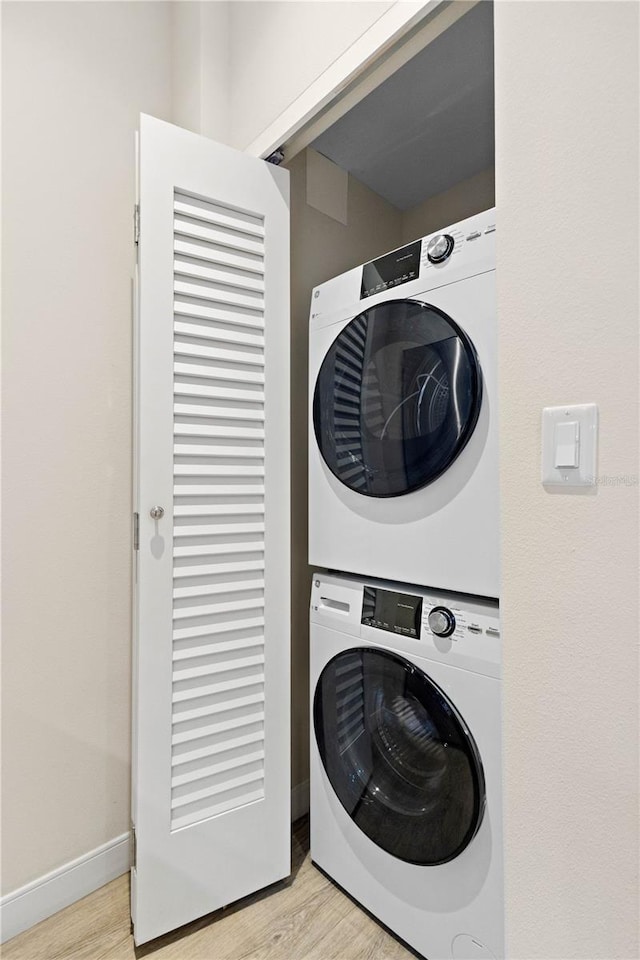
{"x":442,"y":622}
{"x":440,"y":248}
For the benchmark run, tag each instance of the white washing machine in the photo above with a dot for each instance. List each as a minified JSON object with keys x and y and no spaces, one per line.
{"x":406,"y":801}
{"x":403,"y":451}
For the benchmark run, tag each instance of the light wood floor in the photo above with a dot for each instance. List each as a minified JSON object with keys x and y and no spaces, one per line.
{"x":307,"y":917}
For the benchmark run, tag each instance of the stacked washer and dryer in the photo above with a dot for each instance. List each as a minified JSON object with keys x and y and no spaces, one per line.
{"x":406,"y":797}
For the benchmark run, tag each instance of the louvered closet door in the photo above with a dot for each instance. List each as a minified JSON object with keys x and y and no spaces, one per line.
{"x":211,"y":675}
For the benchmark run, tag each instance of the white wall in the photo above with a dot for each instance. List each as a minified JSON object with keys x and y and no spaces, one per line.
{"x":567,"y":198}
{"x":75,"y":76}
{"x":279,"y":48}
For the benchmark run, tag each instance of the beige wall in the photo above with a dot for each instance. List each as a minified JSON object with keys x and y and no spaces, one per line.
{"x":321,"y":248}
{"x":75,"y":76}
{"x":463,"y":200}
{"x":277,"y":49}
{"x":200,"y":62}
{"x":567,"y":197}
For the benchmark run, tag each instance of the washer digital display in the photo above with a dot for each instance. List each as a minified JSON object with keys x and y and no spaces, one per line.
{"x":394,"y":612}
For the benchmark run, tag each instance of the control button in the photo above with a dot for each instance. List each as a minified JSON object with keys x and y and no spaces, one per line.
{"x":441,"y":622}
{"x":490,"y":229}
{"x":493,"y":632}
{"x":474,"y":628}
{"x":440,"y":248}
{"x":474,"y":235}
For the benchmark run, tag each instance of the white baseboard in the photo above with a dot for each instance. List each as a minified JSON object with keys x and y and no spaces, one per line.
{"x":299,"y":801}
{"x":43,"y":897}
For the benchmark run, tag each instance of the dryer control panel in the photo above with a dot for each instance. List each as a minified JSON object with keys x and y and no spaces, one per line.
{"x":399,"y":266}
{"x":457,"y":252}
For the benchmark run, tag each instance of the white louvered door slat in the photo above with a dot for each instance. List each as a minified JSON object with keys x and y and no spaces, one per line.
{"x":211,"y":673}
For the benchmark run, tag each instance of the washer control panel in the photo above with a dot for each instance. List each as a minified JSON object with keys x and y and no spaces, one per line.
{"x":452,"y":628}
{"x":461,"y":624}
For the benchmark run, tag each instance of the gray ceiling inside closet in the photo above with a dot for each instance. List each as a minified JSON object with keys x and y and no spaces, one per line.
{"x":430,"y":125}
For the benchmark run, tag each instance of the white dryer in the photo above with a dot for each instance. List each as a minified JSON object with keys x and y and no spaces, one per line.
{"x":403,"y":450}
{"x":406,"y":802}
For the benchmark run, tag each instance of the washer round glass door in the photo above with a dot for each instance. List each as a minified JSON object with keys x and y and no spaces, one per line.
{"x":397,"y":398}
{"x":398,"y":755}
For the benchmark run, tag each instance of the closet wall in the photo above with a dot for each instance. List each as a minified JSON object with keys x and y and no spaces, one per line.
{"x":321,"y":248}
{"x":463,"y":200}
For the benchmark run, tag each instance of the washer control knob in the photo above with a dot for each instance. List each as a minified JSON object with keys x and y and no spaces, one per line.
{"x":440,"y":248}
{"x":442,"y":622}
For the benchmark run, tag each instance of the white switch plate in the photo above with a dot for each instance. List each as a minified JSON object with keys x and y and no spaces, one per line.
{"x":558,"y":445}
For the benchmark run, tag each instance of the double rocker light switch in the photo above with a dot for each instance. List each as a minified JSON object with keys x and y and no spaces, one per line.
{"x":569,"y":436}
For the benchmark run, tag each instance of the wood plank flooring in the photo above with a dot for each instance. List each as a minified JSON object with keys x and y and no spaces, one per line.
{"x":306,"y":918}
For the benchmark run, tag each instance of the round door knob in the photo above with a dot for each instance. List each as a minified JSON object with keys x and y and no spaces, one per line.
{"x":156,"y":513}
{"x":441,"y":622}
{"x":439,"y":248}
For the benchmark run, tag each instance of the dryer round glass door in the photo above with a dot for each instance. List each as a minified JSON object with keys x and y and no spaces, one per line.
{"x":398,"y":755}
{"x":397,"y":398}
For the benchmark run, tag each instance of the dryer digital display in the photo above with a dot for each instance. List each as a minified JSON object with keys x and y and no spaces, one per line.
{"x":400,"y":266}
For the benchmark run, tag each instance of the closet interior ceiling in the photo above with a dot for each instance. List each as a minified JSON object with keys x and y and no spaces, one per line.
{"x":430,"y":125}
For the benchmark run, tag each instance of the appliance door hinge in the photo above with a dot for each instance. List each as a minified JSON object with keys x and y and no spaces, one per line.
{"x":136,"y":531}
{"x":136,"y":224}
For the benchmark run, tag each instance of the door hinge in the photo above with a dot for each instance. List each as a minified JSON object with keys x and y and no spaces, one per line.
{"x":276,"y":157}
{"x":134,"y":848}
{"x":136,"y":224}
{"x":136,"y":531}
